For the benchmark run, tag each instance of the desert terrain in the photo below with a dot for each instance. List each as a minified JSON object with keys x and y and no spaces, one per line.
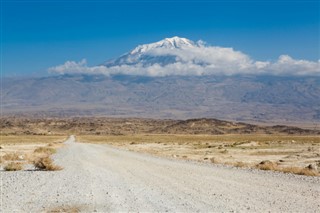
{"x":292,"y":154}
{"x":115,"y":164}
{"x":102,"y":178}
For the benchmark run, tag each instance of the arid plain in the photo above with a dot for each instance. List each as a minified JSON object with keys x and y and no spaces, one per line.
{"x":96,"y":164}
{"x":280,"y":148}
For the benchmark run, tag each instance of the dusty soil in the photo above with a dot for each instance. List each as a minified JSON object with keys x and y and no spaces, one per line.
{"x":98,"y":177}
{"x":23,"y":146}
{"x":287,"y":152}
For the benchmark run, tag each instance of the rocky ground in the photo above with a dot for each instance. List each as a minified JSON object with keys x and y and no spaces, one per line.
{"x":98,"y":177}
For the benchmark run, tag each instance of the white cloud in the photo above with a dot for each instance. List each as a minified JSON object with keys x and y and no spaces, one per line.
{"x":199,"y":60}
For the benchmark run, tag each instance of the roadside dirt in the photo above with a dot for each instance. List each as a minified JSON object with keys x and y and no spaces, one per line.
{"x":102,"y":178}
{"x":293,"y":154}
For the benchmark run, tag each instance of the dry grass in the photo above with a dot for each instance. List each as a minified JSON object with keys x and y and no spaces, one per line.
{"x":45,"y":150}
{"x":268,"y":165}
{"x":233,"y":141}
{"x":31,"y":139}
{"x":240,"y":164}
{"x":13,"y":166}
{"x":214,"y":160}
{"x":45,"y":163}
{"x":33,"y":149}
{"x":12,"y":156}
{"x":299,"y":171}
{"x":237,"y":150}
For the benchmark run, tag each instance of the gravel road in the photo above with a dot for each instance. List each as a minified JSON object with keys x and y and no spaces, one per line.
{"x":103,"y":179}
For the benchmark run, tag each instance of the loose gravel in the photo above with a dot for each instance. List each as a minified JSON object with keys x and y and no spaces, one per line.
{"x":101,"y":178}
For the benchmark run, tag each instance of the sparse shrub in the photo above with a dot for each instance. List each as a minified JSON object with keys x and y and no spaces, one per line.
{"x":13,"y":166}
{"x":240,"y":164}
{"x":46,"y":150}
{"x":267,"y":165}
{"x":213,"y":160}
{"x":45,"y":163}
{"x":11,"y":157}
{"x":300,"y":171}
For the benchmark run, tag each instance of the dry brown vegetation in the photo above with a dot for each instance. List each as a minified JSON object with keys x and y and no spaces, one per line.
{"x":268,"y":165}
{"x":29,"y":149}
{"x":45,"y":150}
{"x":30,"y":139}
{"x":209,"y":140}
{"x":299,"y":171}
{"x":12,"y":156}
{"x":285,"y":153}
{"x":45,"y":163}
{"x":13,"y":166}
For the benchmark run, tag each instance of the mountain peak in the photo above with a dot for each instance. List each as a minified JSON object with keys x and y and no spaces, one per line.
{"x":179,"y":42}
{"x":167,"y":43}
{"x":144,"y":54}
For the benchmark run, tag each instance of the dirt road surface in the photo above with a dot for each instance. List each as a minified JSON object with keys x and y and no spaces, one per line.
{"x":100,"y":178}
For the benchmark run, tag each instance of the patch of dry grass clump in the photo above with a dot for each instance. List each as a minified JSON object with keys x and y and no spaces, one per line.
{"x":31,"y":139}
{"x":11,"y":156}
{"x":45,"y":150}
{"x":240,"y":164}
{"x":268,"y":165}
{"x":214,"y":160}
{"x":13,"y":166}
{"x":45,"y":163}
{"x":300,"y":171}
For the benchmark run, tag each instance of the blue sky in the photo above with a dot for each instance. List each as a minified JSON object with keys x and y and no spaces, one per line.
{"x":37,"y":35}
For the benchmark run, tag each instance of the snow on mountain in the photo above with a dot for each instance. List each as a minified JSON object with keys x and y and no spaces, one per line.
{"x":168,"y":43}
{"x":163,"y":52}
{"x":183,"y":57}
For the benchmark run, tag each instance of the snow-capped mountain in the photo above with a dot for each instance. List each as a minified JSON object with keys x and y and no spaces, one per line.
{"x":168,"y":43}
{"x":182,"y":57}
{"x":175,"y":78}
{"x":163,"y":52}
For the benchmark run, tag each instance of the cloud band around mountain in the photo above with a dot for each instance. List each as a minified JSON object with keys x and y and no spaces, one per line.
{"x":197,"y":59}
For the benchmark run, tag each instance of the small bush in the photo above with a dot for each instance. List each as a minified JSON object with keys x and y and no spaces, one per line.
{"x":214,"y":160}
{"x":267,"y":165}
{"x":45,"y":163}
{"x":11,"y":157}
{"x":239,"y":164}
{"x":300,"y":171}
{"x":13,"y":166}
{"x":46,"y":150}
